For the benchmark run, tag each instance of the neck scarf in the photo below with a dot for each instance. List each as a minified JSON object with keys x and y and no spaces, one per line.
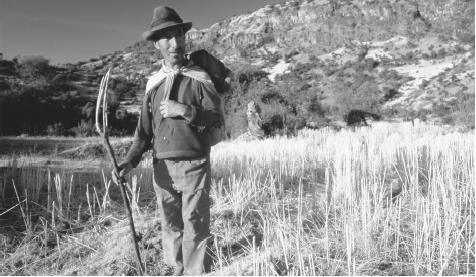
{"x":168,"y":75}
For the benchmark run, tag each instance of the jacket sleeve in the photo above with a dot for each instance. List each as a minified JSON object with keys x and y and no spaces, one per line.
{"x":209,"y":113}
{"x":143,"y":135}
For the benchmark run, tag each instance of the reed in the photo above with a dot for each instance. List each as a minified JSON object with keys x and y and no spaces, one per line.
{"x":393,"y":199}
{"x":426,"y":229}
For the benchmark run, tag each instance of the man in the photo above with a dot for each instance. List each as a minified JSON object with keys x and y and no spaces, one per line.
{"x":180,"y":106}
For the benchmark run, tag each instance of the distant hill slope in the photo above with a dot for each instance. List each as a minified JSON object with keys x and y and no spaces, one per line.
{"x":400,"y":58}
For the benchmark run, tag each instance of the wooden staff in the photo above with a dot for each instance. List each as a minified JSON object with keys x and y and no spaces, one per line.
{"x":104,"y":132}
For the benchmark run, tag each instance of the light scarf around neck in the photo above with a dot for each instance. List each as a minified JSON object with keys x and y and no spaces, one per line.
{"x":168,"y":74}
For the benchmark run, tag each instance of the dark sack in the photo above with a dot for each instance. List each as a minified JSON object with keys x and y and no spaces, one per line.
{"x":220,"y":74}
{"x":221,"y":77}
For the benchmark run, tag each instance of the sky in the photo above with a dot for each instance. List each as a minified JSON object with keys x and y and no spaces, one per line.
{"x":74,"y":30}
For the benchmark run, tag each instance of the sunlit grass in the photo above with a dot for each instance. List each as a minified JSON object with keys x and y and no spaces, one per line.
{"x":394,"y":199}
{"x":325,"y":200}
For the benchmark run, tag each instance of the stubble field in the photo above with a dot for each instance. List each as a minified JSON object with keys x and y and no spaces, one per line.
{"x":393,"y":199}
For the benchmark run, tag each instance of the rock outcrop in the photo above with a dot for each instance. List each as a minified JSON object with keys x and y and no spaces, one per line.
{"x":254,"y":130}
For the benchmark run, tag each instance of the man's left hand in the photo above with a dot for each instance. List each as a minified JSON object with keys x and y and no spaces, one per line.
{"x":169,"y":108}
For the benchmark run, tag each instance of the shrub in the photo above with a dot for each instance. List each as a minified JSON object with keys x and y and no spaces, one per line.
{"x":273,"y":58}
{"x":7,"y":68}
{"x":362,"y":94}
{"x":4,"y":86}
{"x":314,"y":106}
{"x":244,"y":74}
{"x":34,"y":67}
{"x":273,"y":124}
{"x":122,"y":123}
{"x":389,"y":93}
{"x":411,"y":44}
{"x":56,"y":129}
{"x":424,"y":84}
{"x":364,"y":49}
{"x":441,"y":53}
{"x":409,"y":56}
{"x":463,"y":111}
{"x":123,"y":88}
{"x":84,"y":129}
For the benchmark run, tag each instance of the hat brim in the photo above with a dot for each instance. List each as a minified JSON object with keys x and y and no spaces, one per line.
{"x":155,"y":32}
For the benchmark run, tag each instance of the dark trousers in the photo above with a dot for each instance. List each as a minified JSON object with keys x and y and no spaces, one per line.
{"x":182,"y":188}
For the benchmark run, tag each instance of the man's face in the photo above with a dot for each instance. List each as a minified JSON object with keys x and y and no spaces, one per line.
{"x":172,"y":46}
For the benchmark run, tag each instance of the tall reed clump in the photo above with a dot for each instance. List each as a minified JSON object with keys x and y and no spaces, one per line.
{"x":391,"y":199}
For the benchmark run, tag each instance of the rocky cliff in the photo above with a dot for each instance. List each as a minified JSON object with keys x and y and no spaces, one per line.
{"x":415,"y":57}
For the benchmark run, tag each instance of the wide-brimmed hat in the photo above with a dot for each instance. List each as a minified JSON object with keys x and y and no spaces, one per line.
{"x":163,"y":20}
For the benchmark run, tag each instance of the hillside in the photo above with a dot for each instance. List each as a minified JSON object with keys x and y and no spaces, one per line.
{"x":307,"y":63}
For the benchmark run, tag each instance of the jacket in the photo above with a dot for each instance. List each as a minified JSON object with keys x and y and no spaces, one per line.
{"x":177,"y":137}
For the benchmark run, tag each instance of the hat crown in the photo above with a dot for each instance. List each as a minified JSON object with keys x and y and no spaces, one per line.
{"x":164,"y":19}
{"x":165,"y":15}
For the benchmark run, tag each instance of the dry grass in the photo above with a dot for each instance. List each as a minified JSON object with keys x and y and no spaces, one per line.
{"x":394,"y":199}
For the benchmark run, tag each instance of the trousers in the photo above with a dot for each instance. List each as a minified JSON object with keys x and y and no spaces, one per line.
{"x":182,"y":187}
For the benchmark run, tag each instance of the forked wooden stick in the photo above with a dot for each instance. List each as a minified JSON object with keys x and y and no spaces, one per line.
{"x":104,"y":132}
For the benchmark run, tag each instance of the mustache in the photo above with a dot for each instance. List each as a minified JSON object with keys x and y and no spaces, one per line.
{"x":176,"y":50}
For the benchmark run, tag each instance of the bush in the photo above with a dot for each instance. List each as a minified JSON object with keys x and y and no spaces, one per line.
{"x":389,"y":93}
{"x":314,"y":106}
{"x":123,"y":88}
{"x":4,"y":86}
{"x":244,"y":74}
{"x":122,"y":123}
{"x":56,"y":129}
{"x":84,"y":129}
{"x":361,"y":94}
{"x":463,"y":111}
{"x":441,"y":53}
{"x":7,"y":68}
{"x":34,"y":67}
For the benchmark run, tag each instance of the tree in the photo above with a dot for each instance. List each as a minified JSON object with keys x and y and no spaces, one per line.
{"x":32,"y":67}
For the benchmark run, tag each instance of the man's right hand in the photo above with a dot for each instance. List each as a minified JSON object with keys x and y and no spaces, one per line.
{"x":124,"y":168}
